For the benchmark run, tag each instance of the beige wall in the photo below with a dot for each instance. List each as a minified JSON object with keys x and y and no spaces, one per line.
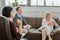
{"x":0,"y":6}
{"x":40,"y":11}
{"x":2,"y":3}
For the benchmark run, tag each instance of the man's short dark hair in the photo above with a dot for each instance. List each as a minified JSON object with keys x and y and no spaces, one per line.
{"x":17,"y":8}
{"x":6,"y":11}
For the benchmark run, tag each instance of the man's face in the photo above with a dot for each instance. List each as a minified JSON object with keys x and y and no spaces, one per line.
{"x":19,"y":11}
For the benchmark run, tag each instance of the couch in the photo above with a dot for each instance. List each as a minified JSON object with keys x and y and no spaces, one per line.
{"x":36,"y":23}
{"x":5,"y":33}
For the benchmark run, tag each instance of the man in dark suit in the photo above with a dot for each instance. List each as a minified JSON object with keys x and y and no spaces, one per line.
{"x":19,"y":16}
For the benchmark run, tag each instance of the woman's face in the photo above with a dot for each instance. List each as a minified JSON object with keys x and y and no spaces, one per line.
{"x":48,"y":16}
{"x":12,"y":14}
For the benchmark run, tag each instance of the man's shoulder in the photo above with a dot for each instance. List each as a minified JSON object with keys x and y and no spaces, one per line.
{"x":15,"y":15}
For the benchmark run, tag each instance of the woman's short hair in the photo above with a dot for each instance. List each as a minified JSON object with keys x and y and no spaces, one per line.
{"x":6,"y":11}
{"x":47,"y":13}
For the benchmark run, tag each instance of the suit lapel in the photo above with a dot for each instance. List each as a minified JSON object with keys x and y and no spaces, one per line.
{"x":19,"y":17}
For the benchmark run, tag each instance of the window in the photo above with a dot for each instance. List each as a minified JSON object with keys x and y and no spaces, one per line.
{"x":56,"y":2}
{"x":52,"y":2}
{"x":22,"y":2}
{"x":37,"y":2}
{"x":9,"y":2}
{"x":48,"y":2}
{"x":34,"y":2}
{"x":45,"y":2}
{"x":41,"y":2}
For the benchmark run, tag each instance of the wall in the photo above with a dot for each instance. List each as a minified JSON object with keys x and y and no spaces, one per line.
{"x":2,"y":3}
{"x":0,"y":6}
{"x":40,"y":11}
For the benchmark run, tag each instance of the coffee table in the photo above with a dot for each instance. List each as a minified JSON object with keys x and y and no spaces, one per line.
{"x":34,"y":34}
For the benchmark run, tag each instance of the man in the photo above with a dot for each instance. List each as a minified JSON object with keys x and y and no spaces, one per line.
{"x":19,"y":16}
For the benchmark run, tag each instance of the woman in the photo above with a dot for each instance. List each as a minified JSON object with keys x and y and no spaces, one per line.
{"x":8,"y":12}
{"x":47,"y":26}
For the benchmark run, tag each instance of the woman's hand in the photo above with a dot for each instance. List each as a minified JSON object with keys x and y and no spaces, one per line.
{"x":53,"y":23}
{"x":19,"y":22}
{"x":19,"y":26}
{"x":49,"y":23}
{"x":27,"y":27}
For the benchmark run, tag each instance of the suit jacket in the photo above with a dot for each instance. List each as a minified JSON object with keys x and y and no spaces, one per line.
{"x":21,"y":18}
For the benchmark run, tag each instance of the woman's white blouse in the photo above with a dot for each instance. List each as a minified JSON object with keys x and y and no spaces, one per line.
{"x":44,"y":22}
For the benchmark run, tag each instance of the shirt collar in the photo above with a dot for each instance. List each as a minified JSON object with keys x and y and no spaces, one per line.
{"x":19,"y":15}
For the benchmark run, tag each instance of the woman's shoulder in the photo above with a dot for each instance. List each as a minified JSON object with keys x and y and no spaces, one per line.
{"x":44,"y":19}
{"x":12,"y":24}
{"x":51,"y":19}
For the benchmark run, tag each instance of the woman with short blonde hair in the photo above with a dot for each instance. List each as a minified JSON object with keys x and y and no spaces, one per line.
{"x":47,"y":26}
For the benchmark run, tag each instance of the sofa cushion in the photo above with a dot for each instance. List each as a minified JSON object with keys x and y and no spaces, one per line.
{"x":39,"y":22}
{"x":31,"y":21}
{"x":57,"y":20}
